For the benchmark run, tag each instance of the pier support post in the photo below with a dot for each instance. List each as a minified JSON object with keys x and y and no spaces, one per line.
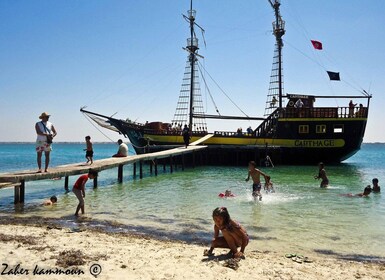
{"x":193,"y":159}
{"x":170,"y":164}
{"x":19,"y":192}
{"x":156,"y":167}
{"x":151,"y":167}
{"x":182,"y":162}
{"x":22,"y":191}
{"x":164,"y":166}
{"x":134,"y":170}
{"x":140,"y":169}
{"x":66,"y":184}
{"x":95,"y":182}
{"x":120,"y":173}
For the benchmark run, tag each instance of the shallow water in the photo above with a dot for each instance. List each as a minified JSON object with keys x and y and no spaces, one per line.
{"x":299,"y":217}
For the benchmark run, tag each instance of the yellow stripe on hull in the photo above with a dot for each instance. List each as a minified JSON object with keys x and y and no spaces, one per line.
{"x":251,"y":141}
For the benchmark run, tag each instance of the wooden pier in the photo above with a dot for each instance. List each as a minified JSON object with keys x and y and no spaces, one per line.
{"x":18,"y":179}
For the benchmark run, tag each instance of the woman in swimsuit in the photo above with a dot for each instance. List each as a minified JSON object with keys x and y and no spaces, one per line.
{"x":234,"y":235}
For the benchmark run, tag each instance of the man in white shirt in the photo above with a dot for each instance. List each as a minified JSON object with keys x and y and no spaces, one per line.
{"x":122,"y":151}
{"x":45,"y":133}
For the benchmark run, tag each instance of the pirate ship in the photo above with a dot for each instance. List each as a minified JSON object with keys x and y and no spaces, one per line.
{"x":293,"y":130}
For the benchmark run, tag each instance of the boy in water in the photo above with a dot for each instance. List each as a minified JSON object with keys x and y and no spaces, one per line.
{"x":256,"y":176}
{"x":322,"y":175}
{"x":50,"y":201}
{"x":79,"y":189}
{"x":89,"y":150}
{"x":234,"y":235}
{"x":376,"y":188}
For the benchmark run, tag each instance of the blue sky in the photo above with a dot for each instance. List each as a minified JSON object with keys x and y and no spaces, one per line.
{"x":126,"y":57}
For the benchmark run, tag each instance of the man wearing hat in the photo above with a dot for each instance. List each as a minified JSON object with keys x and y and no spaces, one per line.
{"x":45,"y":133}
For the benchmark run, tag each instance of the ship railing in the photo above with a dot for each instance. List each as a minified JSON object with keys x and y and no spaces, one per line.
{"x":267,"y":127}
{"x":233,"y":134}
{"x":129,"y":122}
{"x":325,"y":112}
{"x":173,"y":132}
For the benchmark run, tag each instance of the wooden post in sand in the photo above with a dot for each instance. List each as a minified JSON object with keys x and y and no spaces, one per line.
{"x":141,"y":169}
{"x":151,"y":167}
{"x":120,"y":173}
{"x":170,"y":164}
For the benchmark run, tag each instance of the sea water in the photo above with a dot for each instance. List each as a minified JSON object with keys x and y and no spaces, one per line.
{"x":299,"y":218}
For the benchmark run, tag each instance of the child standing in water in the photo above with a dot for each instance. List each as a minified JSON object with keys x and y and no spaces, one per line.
{"x":256,"y":176}
{"x":322,"y":175}
{"x":79,"y":189}
{"x":89,"y":150}
{"x":269,"y":185}
{"x":376,"y":188}
{"x":234,"y":235}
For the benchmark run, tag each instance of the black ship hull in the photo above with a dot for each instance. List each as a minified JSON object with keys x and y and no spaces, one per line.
{"x":286,"y":137}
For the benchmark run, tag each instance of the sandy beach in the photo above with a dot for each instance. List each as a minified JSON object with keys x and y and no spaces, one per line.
{"x":32,"y":251}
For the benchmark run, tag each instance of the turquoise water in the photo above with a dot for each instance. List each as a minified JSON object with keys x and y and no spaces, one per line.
{"x":299,"y":217}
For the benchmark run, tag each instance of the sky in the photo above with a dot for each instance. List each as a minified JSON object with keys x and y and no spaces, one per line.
{"x":125,"y":58}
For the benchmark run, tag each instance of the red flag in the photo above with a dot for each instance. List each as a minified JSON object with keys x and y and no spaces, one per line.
{"x":316,"y":44}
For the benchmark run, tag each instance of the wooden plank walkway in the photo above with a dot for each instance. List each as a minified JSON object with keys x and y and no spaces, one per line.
{"x":18,"y":179}
{"x":98,"y":165}
{"x":201,"y":140}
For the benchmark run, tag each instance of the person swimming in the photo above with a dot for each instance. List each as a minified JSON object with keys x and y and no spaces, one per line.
{"x":227,"y":193}
{"x":52,"y":200}
{"x":366,"y":193}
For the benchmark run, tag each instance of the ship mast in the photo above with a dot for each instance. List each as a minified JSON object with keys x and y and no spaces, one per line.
{"x":278,"y":31}
{"x":192,"y":46}
{"x":190,"y":101}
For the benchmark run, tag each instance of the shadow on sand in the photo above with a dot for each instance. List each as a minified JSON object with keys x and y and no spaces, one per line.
{"x":352,"y":257}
